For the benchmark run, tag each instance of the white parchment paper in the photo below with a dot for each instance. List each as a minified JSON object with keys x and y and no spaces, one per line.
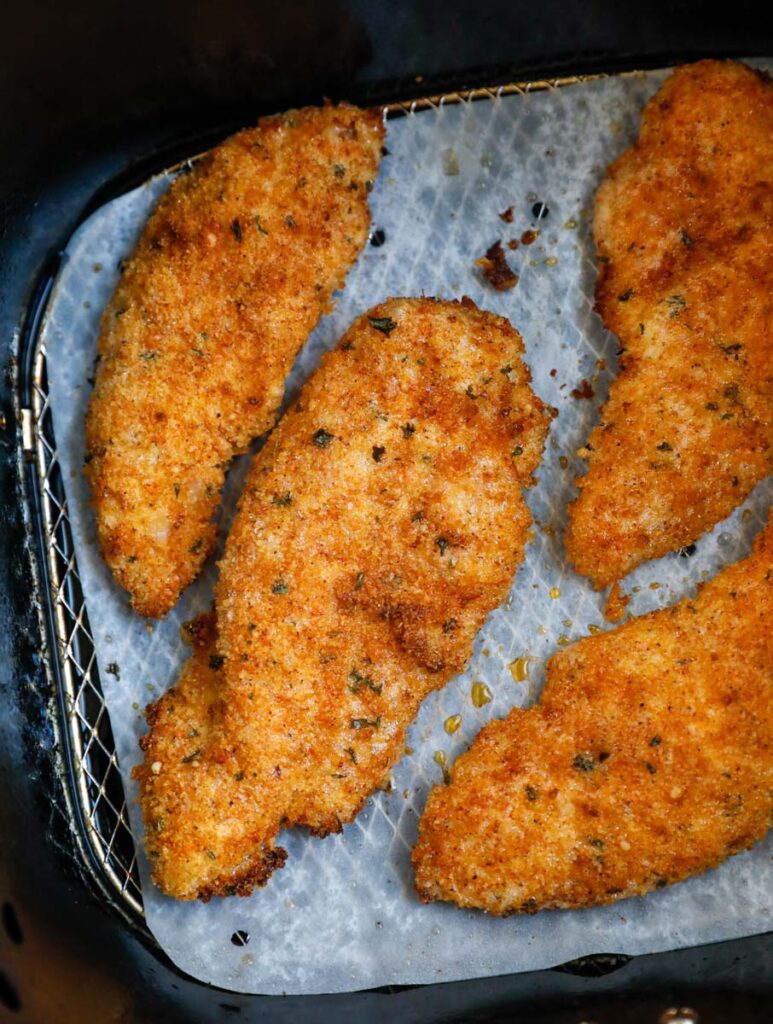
{"x":342,"y":915}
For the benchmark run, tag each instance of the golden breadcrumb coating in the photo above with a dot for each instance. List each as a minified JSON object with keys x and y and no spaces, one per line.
{"x":380,"y":524}
{"x":234,"y":269}
{"x":684,"y":231}
{"x":648,"y":759}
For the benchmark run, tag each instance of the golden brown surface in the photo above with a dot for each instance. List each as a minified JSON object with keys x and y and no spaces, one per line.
{"x":380,"y":524}
{"x":684,"y":229}
{"x":235,"y":267}
{"x":648,"y":759}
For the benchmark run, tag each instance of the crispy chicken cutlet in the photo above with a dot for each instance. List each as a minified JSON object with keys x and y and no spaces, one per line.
{"x":683,"y":227}
{"x":380,"y":524}
{"x":648,"y":759}
{"x":234,"y":269}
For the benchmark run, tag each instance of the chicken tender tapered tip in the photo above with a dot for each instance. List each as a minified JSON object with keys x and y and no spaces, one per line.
{"x":234,"y":269}
{"x":381,"y":523}
{"x":648,"y":759}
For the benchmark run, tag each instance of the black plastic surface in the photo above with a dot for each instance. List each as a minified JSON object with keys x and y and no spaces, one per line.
{"x":94,"y":96}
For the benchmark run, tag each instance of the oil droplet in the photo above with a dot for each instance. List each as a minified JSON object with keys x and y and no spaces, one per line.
{"x":480,"y":694}
{"x":555,"y":593}
{"x":654,"y":586}
{"x":593,"y":628}
{"x":551,"y":261}
{"x":440,"y":758}
{"x":541,"y":631}
{"x":452,"y":724}
{"x":563,"y":462}
{"x":519,"y":669}
{"x":571,"y":224}
{"x":746,"y":515}
{"x":409,"y":751}
{"x":567,"y":622}
{"x":563,"y":640}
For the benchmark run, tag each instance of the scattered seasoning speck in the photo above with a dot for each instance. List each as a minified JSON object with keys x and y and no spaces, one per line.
{"x":496,"y":269}
{"x":555,"y":593}
{"x":480,"y":694}
{"x":452,"y":723}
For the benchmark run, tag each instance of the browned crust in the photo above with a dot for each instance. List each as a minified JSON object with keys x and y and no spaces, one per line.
{"x":649,"y":759}
{"x":683,"y":226}
{"x":379,"y":525}
{"x":236,"y":265}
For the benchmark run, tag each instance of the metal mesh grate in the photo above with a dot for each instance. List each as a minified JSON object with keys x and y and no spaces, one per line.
{"x":100,"y":809}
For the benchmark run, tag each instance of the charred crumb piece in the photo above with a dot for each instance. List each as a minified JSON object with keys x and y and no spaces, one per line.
{"x":496,"y":269}
{"x":529,"y":237}
{"x":507,"y":215}
{"x":584,"y":391}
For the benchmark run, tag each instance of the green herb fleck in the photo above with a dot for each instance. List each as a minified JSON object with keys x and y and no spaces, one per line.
{"x":651,"y":768}
{"x":359,"y":580}
{"x":279,"y":587}
{"x":664,"y":446}
{"x":258,"y":225}
{"x":321,"y":438}
{"x":686,"y":239}
{"x":366,"y":723}
{"x":237,"y":229}
{"x":470,"y":392}
{"x":211,"y":855}
{"x":517,"y":451}
{"x":677,"y":304}
{"x":712,"y":406}
{"x":192,"y":757}
{"x":353,"y":756}
{"x":449,"y":626}
{"x":385,"y":324}
{"x":626,"y":295}
{"x":408,"y":430}
{"x":339,"y":170}
{"x":442,"y":544}
{"x":584,"y":762}
{"x":357,"y":681}
{"x":216,"y":661}
{"x":283,"y":500}
{"x":506,"y":369}
{"x":239,"y":776}
{"x":290,"y":221}
{"x":531,"y":793}
{"x":655,"y":741}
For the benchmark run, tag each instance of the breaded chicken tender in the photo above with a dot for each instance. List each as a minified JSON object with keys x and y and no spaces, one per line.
{"x":648,"y":759}
{"x":683,"y":227}
{"x":380,"y":524}
{"x":234,"y":269}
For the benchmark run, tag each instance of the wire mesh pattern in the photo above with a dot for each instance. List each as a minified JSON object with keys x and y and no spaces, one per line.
{"x":99,"y":789}
{"x":454,"y":163}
